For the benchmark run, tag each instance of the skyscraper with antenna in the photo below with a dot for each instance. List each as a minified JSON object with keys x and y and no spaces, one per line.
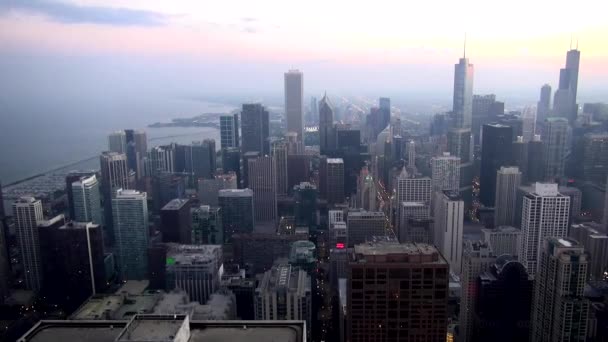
{"x":463,"y":91}
{"x":564,"y":104}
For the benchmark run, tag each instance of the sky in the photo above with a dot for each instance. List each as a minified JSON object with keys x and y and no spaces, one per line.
{"x":199,"y":47}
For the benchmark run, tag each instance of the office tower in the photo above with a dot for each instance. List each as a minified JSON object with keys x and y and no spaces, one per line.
{"x":529,"y":123}
{"x":575,"y":195}
{"x":237,"y":211}
{"x":366,"y":191}
{"x":163,"y":159}
{"x":165,"y":187}
{"x":255,"y":129}
{"x":70,"y":178}
{"x":397,"y":292}
{"x":462,"y":109}
{"x":364,"y":225}
{"x":503,"y":240}
{"x":495,"y":152}
{"x":411,"y":153}
{"x":117,"y":142}
{"x":231,"y":162}
{"x":347,"y":138}
{"x":595,"y":162}
{"x":27,"y":214}
{"x":439,"y":124}
{"x":263,"y":183}
{"x":409,"y":212}
{"x":294,"y":145}
{"x":194,"y":269}
{"x":208,"y":189}
{"x":87,"y":200}
{"x":564,"y":104}
{"x":485,"y":110}
{"x":536,"y":162}
{"x":445,"y":172}
{"x":519,"y":156}
{"x":334,"y":181}
{"x":595,"y":241}
{"x":294,"y":102}
{"x":203,"y":158}
{"x":557,"y":135}
{"x":207,"y":225}
{"x":305,"y":196}
{"x":334,"y":216}
{"x":545,"y":213}
{"x":560,"y":312}
{"x":229,"y":131}
{"x":175,"y":221}
{"x":245,"y":167}
{"x":476,"y":259}
{"x":508,"y":179}
{"x":504,"y":300}
{"x":279,"y":154}
{"x":114,"y":176}
{"x":298,"y":170}
{"x":449,"y":221}
{"x":289,"y":286}
{"x":459,"y":143}
{"x":326,"y":125}
{"x":130,"y":213}
{"x":137,"y":149}
{"x":74,"y":261}
{"x":410,"y":189}
{"x":259,"y":251}
{"x":544,"y":104}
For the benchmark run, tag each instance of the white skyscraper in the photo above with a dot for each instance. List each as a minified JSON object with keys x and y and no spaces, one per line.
{"x":27,"y":212}
{"x":463,"y":94}
{"x":529,"y":123}
{"x":294,"y":106}
{"x":545,"y":213}
{"x":449,"y":222}
{"x":87,"y":200}
{"x":117,"y":142}
{"x":445,"y":172}
{"x":508,"y":179}
{"x":130,"y":213}
{"x":411,"y":154}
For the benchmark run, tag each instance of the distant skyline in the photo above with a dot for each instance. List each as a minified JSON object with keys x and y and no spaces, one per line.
{"x":245,"y":46}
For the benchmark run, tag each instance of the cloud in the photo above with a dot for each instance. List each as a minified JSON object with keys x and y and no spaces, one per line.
{"x":69,"y":13}
{"x":248,"y":19}
{"x":250,"y":29}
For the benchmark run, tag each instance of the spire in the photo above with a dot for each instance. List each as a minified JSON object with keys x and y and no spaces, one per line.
{"x":571,"y":41}
{"x":464,"y":54}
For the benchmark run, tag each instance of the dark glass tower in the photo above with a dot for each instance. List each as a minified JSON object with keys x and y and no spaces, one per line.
{"x":254,"y":129}
{"x":495,"y":152}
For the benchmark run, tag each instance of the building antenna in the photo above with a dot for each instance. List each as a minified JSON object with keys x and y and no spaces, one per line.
{"x":571,"y":41}
{"x":465,"y":46}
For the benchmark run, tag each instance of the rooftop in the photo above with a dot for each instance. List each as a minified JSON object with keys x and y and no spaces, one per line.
{"x":192,"y":254}
{"x":502,"y":229}
{"x":393,"y":251}
{"x":175,"y":204}
{"x":335,"y":161}
{"x":154,"y":328}
{"x":452,"y":195}
{"x":235,"y":193}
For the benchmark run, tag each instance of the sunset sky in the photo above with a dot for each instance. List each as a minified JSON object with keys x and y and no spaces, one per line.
{"x":408,"y":46}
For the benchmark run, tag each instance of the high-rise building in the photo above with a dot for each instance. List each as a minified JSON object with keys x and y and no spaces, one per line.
{"x":231,"y":162}
{"x":545,"y":213}
{"x":130,"y":214}
{"x":284,"y":293}
{"x":114,"y":176}
{"x":163,"y":159}
{"x":504,"y":300}
{"x":595,"y":241}
{"x":175,"y":221}
{"x":70,"y":178}
{"x":27,"y":214}
{"x":279,"y":154}
{"x":259,"y":251}
{"x":137,"y":149}
{"x":476,"y":259}
{"x":557,"y":135}
{"x":595,"y":154}
{"x":397,"y":292}
{"x":263,"y":183}
{"x":560,"y":312}
{"x":294,"y":102}
{"x":203,"y":160}
{"x":528,"y":117}
{"x":411,"y":154}
{"x":564,"y":102}
{"x":208,"y":189}
{"x":449,"y":222}
{"x":229,"y":131}
{"x":495,"y":152}
{"x":411,"y":189}
{"x":207,"y":225}
{"x":117,"y":142}
{"x":237,"y":211}
{"x":485,"y":110}
{"x":536,"y":162}
{"x":503,"y":240}
{"x":364,"y":225}
{"x":255,"y":129}
{"x":459,"y":143}
{"x":305,"y":196}
{"x":445,"y":172}
{"x":194,"y":269}
{"x":326,"y":125}
{"x":508,"y":179}
{"x":334,"y":180}
{"x":86,"y":200}
{"x":462,"y":109}
{"x":366,"y":191}
{"x":544,"y":103}
{"x":410,"y":211}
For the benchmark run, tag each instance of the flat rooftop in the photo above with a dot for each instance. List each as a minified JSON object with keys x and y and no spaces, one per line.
{"x":393,"y":251}
{"x":152,"y":329}
{"x":175,"y":204}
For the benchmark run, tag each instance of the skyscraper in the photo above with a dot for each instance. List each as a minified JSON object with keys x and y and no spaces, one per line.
{"x":495,"y":152}
{"x":114,"y":176}
{"x":560,"y":312}
{"x":326,"y":125}
{"x":445,"y":172}
{"x":397,"y":292}
{"x":27,"y":213}
{"x":557,"y":135}
{"x":449,"y":222}
{"x":462,"y":109}
{"x":508,"y":179}
{"x":237,"y":211}
{"x":279,"y":153}
{"x":528,"y":117}
{"x":229,"y":131}
{"x":207,"y":225}
{"x":544,"y":104}
{"x":305,"y":195}
{"x":175,"y":221}
{"x":459,"y":143}
{"x":545,"y":213}
{"x":87,"y":200}
{"x":536,"y":162}
{"x":595,"y":241}
{"x":294,"y":105}
{"x":255,"y":129}
{"x":364,"y":225}
{"x":231,"y":161}
{"x":194,"y":269}
{"x":564,"y":104}
{"x":595,"y":162}
{"x":334,"y":181}
{"x":263,"y":183}
{"x":503,"y":240}
{"x":477,"y":258}
{"x":117,"y":142}
{"x":203,"y":161}
{"x":130,"y":214}
{"x":410,"y":189}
